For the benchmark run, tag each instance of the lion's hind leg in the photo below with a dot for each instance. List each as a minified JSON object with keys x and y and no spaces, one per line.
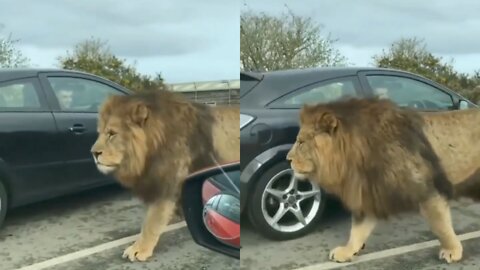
{"x":159,"y":213}
{"x":361,"y":229}
{"x":437,"y":213}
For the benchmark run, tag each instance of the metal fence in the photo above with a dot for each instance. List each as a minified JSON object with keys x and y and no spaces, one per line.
{"x":225,"y":92}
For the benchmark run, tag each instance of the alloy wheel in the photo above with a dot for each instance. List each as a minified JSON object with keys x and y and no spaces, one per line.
{"x":288,"y":205}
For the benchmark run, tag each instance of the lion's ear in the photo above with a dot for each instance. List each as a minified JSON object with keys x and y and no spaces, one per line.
{"x":140,"y":113}
{"x":327,"y":122}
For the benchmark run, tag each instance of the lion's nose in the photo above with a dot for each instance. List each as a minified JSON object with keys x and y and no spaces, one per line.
{"x":96,"y":154}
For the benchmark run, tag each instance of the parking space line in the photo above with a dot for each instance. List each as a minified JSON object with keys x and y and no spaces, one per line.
{"x":386,"y":253}
{"x":92,"y":250}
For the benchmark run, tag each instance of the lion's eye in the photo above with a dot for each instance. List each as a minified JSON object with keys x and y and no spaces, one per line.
{"x":111,"y":133}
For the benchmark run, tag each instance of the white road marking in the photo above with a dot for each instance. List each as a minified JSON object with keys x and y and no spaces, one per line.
{"x":386,"y":253}
{"x":92,"y":250}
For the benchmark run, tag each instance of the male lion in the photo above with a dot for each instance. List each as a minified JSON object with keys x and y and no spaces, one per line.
{"x":381,"y":160}
{"x":151,"y":142}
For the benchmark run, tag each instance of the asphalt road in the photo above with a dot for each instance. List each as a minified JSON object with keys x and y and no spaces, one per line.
{"x":393,"y":245}
{"x":91,"y":223}
{"x":64,"y":228}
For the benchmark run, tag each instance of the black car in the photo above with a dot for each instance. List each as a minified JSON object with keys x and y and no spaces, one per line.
{"x":48,"y":123}
{"x":278,"y":206}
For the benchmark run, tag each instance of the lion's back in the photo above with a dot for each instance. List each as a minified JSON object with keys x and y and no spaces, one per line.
{"x":455,"y":137}
{"x":226,"y":133}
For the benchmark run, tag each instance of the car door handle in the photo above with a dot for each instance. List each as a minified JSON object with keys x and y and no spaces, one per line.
{"x":77,"y":128}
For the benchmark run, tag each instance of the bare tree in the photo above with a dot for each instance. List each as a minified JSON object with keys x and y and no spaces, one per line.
{"x":10,"y":56}
{"x":283,"y":42}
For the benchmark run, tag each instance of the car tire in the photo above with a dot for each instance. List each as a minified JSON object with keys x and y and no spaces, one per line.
{"x":258,"y":215}
{"x":3,"y":203}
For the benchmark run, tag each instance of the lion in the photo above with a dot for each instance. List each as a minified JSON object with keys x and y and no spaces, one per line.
{"x":151,"y":142}
{"x":381,"y":160}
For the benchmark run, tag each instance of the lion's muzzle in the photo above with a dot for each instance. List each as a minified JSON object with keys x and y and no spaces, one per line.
{"x":96,"y":154}
{"x":105,"y":169}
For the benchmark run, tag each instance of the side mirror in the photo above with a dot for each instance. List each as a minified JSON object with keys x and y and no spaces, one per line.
{"x":211,"y":206}
{"x":462,"y":105}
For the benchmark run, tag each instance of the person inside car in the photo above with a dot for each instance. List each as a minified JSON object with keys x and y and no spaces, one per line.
{"x":64,"y":96}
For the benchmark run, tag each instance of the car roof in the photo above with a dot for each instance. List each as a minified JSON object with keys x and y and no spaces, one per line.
{"x":307,"y":72}
{"x":283,"y":81}
{"x":7,"y":74}
{"x":13,"y":73}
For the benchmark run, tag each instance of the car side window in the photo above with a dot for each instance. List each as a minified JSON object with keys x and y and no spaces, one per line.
{"x":408,"y":92}
{"x":322,"y":92}
{"x":80,"y":95}
{"x":19,"y":95}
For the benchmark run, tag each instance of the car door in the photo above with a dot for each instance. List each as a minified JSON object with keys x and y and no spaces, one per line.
{"x":77,"y":100}
{"x":408,"y":91}
{"x":29,"y":149}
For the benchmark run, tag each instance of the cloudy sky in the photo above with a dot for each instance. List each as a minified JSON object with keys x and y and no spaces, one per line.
{"x":185,"y":40}
{"x":451,"y":29}
{"x":189,"y":40}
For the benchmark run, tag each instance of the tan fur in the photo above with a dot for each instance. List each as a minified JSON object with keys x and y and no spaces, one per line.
{"x":360,"y":231}
{"x":456,"y":141}
{"x":151,"y":142}
{"x":158,"y":215}
{"x":227,"y":135}
{"x":437,"y":213}
{"x":381,"y":160}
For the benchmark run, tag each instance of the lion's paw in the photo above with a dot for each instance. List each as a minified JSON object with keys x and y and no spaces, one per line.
{"x":451,"y":255}
{"x":136,"y":252}
{"x":341,"y":254}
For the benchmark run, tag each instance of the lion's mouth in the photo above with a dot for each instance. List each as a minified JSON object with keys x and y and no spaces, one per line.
{"x":106,"y":169}
{"x":300,"y":175}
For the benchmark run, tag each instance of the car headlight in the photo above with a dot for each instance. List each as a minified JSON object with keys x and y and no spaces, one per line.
{"x":245,"y":119}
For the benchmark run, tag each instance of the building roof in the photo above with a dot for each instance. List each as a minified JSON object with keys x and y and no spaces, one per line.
{"x":205,"y":86}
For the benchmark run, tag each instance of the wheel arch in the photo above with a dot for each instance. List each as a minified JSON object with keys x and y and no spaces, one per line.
{"x":257,"y":167}
{"x":5,"y":179}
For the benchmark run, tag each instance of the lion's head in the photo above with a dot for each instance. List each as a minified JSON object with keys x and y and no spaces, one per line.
{"x":149,"y":141}
{"x":122,"y":139}
{"x":136,"y":131}
{"x":130,"y":128}
{"x":314,"y":140}
{"x":337,"y":138}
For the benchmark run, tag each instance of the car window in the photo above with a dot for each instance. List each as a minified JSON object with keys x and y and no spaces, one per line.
{"x":19,"y":95}
{"x":226,"y":205}
{"x":409,"y":92}
{"x":77,"y":94}
{"x":323,"y":92}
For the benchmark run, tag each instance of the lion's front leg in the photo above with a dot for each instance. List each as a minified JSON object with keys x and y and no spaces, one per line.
{"x":158,"y":215}
{"x":362,"y":226}
{"x":437,"y":212}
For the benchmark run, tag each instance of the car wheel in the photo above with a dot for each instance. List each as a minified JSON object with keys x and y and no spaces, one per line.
{"x":283,"y":208}
{"x":3,"y":203}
